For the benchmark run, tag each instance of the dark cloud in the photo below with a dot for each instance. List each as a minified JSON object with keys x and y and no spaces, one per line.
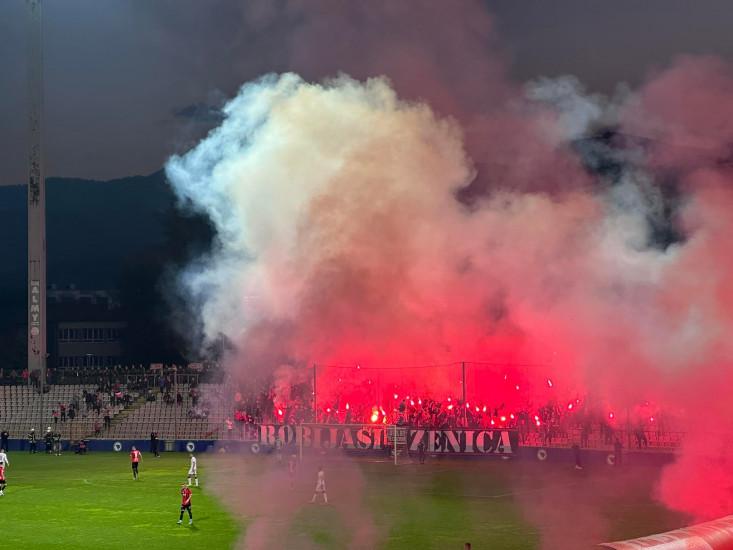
{"x":122,"y":74}
{"x":199,"y":112}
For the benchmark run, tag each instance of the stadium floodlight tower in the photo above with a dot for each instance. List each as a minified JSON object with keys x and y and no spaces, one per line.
{"x":36,"y":203}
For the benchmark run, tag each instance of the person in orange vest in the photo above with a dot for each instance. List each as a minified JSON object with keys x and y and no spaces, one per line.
{"x":135,"y":457}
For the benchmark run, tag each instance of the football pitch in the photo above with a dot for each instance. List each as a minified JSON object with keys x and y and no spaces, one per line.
{"x":250,"y":502}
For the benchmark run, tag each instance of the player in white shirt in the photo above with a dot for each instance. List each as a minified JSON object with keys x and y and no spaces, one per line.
{"x":192,"y":473}
{"x":321,"y":486}
{"x":4,"y":463}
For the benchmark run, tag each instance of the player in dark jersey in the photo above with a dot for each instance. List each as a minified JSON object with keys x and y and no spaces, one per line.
{"x":135,"y":458}
{"x":185,"y":504}
{"x":32,"y":441}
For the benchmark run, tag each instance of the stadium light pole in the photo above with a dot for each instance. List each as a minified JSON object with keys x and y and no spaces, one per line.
{"x":315,"y":396}
{"x":463,"y":383}
{"x":36,"y":202}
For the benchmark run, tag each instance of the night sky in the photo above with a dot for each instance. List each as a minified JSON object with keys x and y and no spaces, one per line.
{"x":128,"y":82}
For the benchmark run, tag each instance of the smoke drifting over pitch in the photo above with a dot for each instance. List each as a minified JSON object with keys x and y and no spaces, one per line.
{"x":355,"y":227}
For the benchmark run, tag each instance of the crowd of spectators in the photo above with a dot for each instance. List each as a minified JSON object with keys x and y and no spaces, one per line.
{"x":542,"y":424}
{"x":545,"y":424}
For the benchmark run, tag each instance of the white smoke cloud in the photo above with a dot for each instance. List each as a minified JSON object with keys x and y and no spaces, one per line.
{"x":340,"y":240}
{"x":336,"y":214}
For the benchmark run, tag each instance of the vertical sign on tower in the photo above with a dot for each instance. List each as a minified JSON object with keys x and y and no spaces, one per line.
{"x":36,"y":202}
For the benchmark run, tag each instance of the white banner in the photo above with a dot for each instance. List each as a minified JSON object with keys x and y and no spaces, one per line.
{"x":712,"y":535}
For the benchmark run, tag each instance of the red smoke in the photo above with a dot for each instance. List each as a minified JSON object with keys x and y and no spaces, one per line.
{"x":688,"y":111}
{"x":459,"y":226}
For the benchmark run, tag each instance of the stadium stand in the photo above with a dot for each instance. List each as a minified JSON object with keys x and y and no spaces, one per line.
{"x":22,"y":408}
{"x":185,"y":420}
{"x":176,"y":405}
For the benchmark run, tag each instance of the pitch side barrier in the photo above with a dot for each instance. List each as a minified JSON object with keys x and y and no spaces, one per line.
{"x":458,"y":443}
{"x":119,"y":445}
{"x":712,"y":535}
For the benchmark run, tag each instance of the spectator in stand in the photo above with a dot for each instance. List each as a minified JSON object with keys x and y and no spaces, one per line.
{"x":641,"y":437}
{"x":585,"y":431}
{"x":55,"y":415}
{"x":230,"y":427}
{"x":97,"y":428}
{"x":107,"y":419}
{"x":4,"y":436}
{"x":62,"y":408}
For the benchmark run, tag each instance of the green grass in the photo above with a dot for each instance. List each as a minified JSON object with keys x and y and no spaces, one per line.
{"x":92,"y":502}
{"x":246,"y":501}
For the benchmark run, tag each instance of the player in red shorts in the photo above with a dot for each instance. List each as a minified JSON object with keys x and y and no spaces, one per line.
{"x":135,"y":458}
{"x":185,"y":504}
{"x":4,"y":462}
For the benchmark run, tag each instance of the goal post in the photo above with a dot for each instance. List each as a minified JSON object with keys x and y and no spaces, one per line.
{"x":397,"y":438}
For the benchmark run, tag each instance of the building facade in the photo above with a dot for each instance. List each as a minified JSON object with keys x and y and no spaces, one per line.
{"x":85,"y":328}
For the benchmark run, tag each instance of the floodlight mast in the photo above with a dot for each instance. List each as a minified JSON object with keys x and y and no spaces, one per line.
{"x":36,"y":202}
